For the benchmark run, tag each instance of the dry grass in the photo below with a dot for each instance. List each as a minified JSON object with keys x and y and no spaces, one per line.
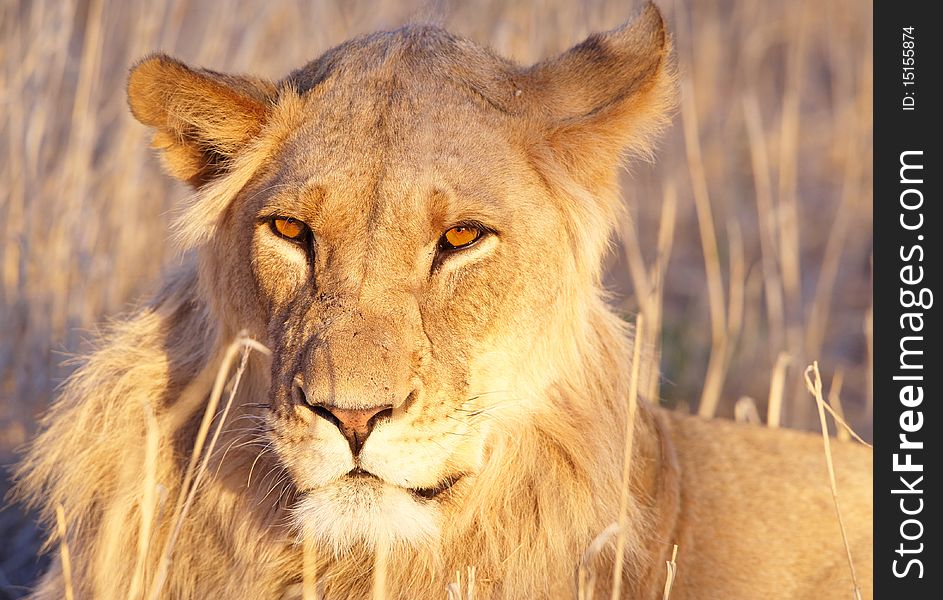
{"x":774,"y":406}
{"x":199,"y":457}
{"x":745,"y":411}
{"x":309,"y":583}
{"x":463,"y":588}
{"x":627,"y":459}
{"x":813,"y":381}
{"x":748,"y":240}
{"x":64,"y":556}
{"x":672,"y":573}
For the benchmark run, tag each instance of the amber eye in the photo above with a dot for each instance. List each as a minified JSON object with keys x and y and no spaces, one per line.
{"x":288,"y":228}
{"x":459,"y":237}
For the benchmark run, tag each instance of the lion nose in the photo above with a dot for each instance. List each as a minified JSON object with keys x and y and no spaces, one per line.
{"x":354,"y":424}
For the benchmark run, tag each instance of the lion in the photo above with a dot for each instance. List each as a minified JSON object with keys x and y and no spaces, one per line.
{"x":414,"y":228}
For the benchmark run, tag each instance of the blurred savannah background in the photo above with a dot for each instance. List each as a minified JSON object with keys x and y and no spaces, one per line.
{"x":749,"y":244}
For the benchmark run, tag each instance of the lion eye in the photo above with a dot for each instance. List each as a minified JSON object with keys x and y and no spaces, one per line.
{"x":459,"y":237}
{"x":288,"y":228}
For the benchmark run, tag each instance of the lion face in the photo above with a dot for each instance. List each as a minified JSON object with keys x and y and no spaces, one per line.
{"x":408,"y":266}
{"x":414,"y":226}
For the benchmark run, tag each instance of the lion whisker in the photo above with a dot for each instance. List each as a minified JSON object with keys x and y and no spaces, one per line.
{"x":252,"y":468}
{"x":279,"y":478}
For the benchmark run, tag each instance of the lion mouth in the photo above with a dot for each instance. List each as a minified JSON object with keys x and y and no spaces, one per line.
{"x":425,"y":493}
{"x":446,"y":484}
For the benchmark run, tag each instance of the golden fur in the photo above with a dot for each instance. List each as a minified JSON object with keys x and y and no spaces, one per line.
{"x":504,"y":371}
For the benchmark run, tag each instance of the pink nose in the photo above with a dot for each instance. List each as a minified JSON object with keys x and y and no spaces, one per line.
{"x":354,"y":424}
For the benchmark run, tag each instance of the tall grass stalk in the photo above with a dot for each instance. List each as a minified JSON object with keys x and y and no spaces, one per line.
{"x":813,"y":381}
{"x":774,"y":405}
{"x":309,"y":574}
{"x":834,"y":400}
{"x":193,"y":475}
{"x":64,"y":556}
{"x":716,"y":367}
{"x":380,"y":565}
{"x":766,"y":219}
{"x":672,"y":573}
{"x":627,"y":459}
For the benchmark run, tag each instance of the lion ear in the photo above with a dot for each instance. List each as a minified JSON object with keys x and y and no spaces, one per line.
{"x":613,"y":93}
{"x":201,"y":118}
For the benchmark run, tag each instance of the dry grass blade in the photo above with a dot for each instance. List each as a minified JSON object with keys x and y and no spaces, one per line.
{"x":470,"y":584}
{"x":586,"y":574}
{"x":834,"y":400}
{"x":841,"y":421}
{"x":787,"y":208}
{"x":309,"y":575}
{"x":715,"y":283}
{"x":817,"y":323}
{"x":672,"y":573}
{"x":772,"y":283}
{"x":64,"y":553}
{"x":737,"y":287}
{"x":193,"y":474}
{"x":789,"y":143}
{"x":380,"y":562}
{"x":813,"y":382}
{"x":454,"y":590}
{"x":745,"y":411}
{"x":148,"y":501}
{"x":627,"y":458}
{"x":637,"y":271}
{"x":649,"y":285}
{"x":666,"y":231}
{"x":774,"y":406}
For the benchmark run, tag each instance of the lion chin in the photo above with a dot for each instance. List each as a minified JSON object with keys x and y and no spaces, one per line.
{"x":361,"y":510}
